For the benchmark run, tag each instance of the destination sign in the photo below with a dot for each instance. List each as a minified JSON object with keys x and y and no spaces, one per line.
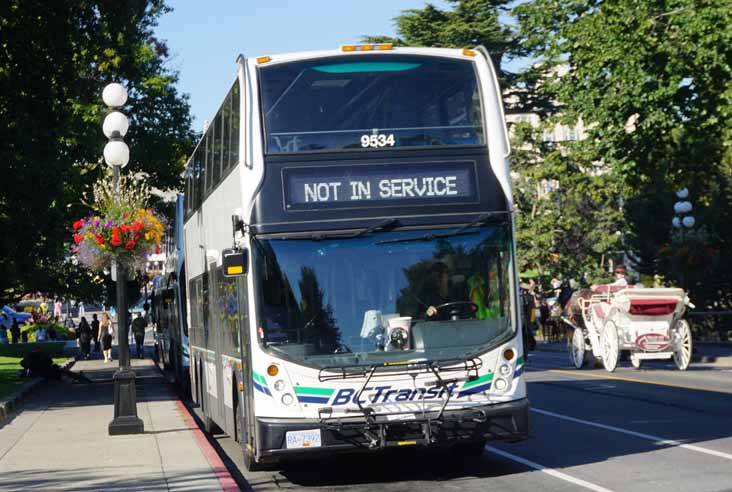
{"x":374,"y":185}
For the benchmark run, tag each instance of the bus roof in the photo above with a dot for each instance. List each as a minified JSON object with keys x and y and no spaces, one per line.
{"x":304,"y":55}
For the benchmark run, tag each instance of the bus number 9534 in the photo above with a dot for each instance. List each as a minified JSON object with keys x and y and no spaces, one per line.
{"x":376,"y":141}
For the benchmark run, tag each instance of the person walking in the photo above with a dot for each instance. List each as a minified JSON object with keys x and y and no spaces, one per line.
{"x":85,"y":336}
{"x":95,"y":331}
{"x":138,"y":328}
{"x":15,"y":331}
{"x":57,"y":306}
{"x":105,"y":332}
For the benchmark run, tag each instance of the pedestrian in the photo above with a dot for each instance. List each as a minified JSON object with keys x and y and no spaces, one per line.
{"x":129,"y":328}
{"x":105,"y":331}
{"x":57,"y":305}
{"x":82,"y":311}
{"x":15,"y":331}
{"x":85,"y":334}
{"x":95,"y":332}
{"x":138,"y":328}
{"x":39,"y":364}
{"x":40,"y":335}
{"x":52,"y":335}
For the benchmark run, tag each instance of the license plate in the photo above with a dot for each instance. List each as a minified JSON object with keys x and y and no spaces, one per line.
{"x":303,"y":439}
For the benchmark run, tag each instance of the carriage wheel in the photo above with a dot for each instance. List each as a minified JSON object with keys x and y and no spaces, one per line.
{"x":577,"y":354}
{"x":610,"y":352}
{"x":635,"y":361}
{"x":682,"y":344}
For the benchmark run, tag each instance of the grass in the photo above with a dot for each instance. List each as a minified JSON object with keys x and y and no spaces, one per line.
{"x":10,"y":379}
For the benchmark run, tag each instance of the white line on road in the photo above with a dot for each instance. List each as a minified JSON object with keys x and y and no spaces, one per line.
{"x":548,"y":471}
{"x":656,"y":439}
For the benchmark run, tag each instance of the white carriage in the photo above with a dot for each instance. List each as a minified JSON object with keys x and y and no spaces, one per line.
{"x":648,"y":322}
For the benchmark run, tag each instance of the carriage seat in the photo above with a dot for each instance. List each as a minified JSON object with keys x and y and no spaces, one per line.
{"x":611,"y":289}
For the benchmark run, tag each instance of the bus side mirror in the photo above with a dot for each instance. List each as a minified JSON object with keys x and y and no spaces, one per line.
{"x":234,"y":262}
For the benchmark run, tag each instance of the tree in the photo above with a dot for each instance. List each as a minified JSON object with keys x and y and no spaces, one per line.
{"x":467,"y":24}
{"x":651,"y":80}
{"x":56,"y":58}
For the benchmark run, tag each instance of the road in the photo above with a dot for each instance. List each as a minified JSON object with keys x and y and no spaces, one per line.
{"x":650,"y":430}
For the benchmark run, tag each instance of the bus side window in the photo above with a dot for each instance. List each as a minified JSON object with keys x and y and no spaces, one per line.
{"x":225,"y":134}
{"x":216,"y":151}
{"x":234,"y":149}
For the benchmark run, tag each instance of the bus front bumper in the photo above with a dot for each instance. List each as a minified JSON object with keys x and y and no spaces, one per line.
{"x":503,"y":421}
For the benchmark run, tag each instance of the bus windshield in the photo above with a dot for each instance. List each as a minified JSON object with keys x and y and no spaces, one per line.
{"x":370,"y":102}
{"x":422,"y":293}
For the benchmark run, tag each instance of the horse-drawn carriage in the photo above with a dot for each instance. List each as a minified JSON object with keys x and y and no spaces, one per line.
{"x":648,"y":322}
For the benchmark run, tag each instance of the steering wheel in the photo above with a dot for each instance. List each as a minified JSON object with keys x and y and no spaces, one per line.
{"x":458,"y":309}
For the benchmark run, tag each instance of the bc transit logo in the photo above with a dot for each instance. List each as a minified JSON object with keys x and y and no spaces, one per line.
{"x":386,"y":394}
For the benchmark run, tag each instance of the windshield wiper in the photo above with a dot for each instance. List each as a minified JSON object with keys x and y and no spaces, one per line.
{"x":461,"y":231}
{"x":319,"y":236}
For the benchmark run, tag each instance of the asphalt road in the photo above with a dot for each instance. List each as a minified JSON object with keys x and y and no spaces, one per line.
{"x":650,"y":430}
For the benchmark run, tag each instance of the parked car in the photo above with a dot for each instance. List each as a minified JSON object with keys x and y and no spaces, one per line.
{"x":9,"y":314}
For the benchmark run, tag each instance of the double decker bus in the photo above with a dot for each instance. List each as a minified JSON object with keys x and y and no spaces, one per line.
{"x":168,"y":299}
{"x":350,"y":256}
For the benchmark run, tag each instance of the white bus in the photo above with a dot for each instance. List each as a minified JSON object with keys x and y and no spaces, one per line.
{"x":168,"y":301}
{"x":350,"y":256}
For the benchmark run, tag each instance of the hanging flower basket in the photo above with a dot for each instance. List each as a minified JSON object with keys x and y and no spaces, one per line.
{"x":124,"y":231}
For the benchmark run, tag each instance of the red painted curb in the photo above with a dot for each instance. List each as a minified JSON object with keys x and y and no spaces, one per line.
{"x":227,"y":482}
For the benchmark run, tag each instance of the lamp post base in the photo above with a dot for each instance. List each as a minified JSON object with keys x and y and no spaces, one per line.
{"x":125,"y":420}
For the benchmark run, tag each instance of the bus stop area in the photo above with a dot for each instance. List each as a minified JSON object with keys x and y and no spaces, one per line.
{"x":58,"y":439}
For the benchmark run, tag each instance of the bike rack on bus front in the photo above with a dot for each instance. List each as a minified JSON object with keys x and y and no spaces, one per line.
{"x":374,"y":421}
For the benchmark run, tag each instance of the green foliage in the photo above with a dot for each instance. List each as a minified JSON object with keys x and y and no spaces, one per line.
{"x":651,"y":81}
{"x":56,"y":57}
{"x":468,"y":23}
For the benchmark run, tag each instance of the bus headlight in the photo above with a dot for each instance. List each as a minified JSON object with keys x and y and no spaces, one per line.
{"x":504,"y":370}
{"x":500,"y":384}
{"x":279,"y":385}
{"x":287,"y":399}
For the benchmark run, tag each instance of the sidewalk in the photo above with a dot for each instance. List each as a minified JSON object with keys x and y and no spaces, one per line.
{"x":712,"y":354}
{"x":59,"y":440}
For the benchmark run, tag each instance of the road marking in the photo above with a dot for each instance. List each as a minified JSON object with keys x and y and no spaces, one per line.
{"x":661,"y":441}
{"x":578,"y":374}
{"x":548,"y":471}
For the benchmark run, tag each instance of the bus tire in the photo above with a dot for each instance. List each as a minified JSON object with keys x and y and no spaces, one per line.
{"x":253,"y":465}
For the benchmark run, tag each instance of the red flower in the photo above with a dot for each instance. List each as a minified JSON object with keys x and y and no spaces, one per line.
{"x":125,"y":216}
{"x":116,"y":241}
{"x":78,"y":225}
{"x":130,"y":244}
{"x":137,"y":225}
{"x":124,"y":228}
{"x":77,"y":238}
{"x":115,"y":232}
{"x":157,"y":249}
{"x":100,"y":239}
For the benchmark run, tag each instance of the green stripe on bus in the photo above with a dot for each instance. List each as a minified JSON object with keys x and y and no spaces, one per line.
{"x":519,"y":361}
{"x":259,"y":378}
{"x":482,"y":379}
{"x":302,"y":390}
{"x":366,"y":67}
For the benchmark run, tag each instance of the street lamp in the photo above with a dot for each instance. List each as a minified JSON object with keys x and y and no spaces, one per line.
{"x":683,"y":220}
{"x":117,"y":155}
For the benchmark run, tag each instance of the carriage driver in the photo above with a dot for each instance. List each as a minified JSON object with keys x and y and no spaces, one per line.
{"x":620,"y":280}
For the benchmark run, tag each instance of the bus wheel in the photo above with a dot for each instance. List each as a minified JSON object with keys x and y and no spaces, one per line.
{"x":253,"y":465}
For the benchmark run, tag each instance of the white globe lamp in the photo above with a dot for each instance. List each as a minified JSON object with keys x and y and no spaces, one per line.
{"x":676,"y":222}
{"x":682,"y":193}
{"x":116,"y":153}
{"x":688,"y":221}
{"x":115,"y":124}
{"x":114,"y":95}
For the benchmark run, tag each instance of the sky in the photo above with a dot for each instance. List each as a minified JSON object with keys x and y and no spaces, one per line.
{"x":204,"y":38}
